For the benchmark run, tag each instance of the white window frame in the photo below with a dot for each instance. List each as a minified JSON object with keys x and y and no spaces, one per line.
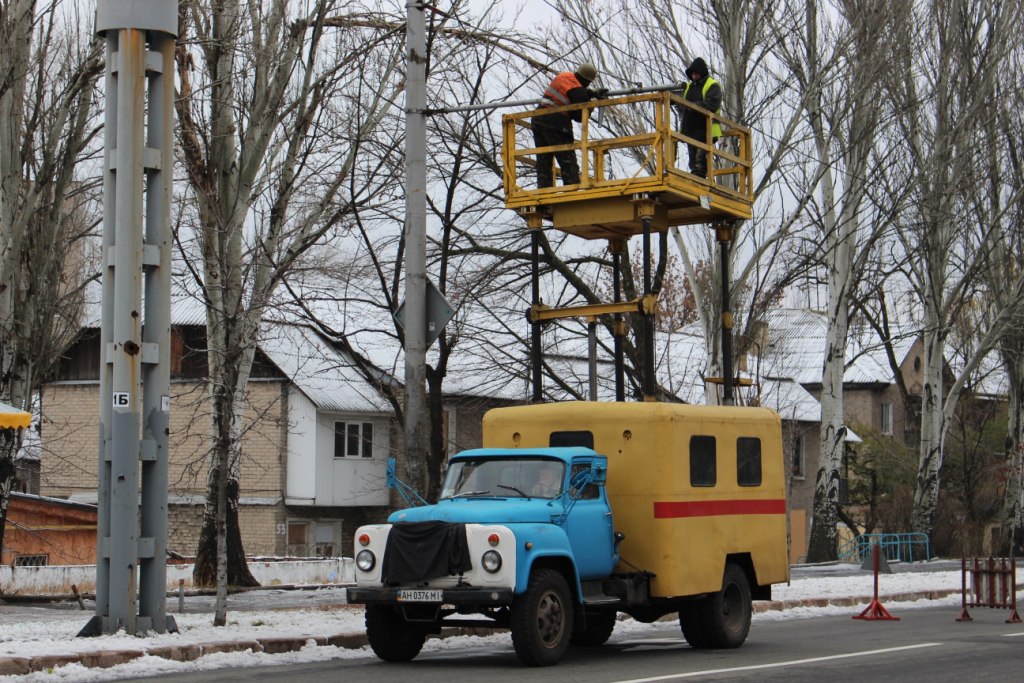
{"x":886,"y":418}
{"x":365,"y":444}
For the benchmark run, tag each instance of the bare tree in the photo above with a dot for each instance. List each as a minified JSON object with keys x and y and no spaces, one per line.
{"x":835,"y":53}
{"x":469,"y":58}
{"x":735,"y":37}
{"x":1000,"y":199}
{"x":275,"y":112}
{"x":942,"y":83}
{"x":48,"y":123}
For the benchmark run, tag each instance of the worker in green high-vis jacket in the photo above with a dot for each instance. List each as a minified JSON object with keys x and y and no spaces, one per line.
{"x":706,"y":93}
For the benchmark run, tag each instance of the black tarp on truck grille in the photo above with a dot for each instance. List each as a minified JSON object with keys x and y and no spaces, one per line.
{"x":420,"y":551}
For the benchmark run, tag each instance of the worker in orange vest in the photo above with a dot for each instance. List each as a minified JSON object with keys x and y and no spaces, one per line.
{"x":556,"y":128}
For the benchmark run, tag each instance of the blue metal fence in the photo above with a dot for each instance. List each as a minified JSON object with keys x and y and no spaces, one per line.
{"x":908,"y":547}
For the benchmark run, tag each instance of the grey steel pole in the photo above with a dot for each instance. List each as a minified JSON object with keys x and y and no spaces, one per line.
{"x":106,"y":335}
{"x":140,"y":49}
{"x":156,"y":356}
{"x":415,"y":242}
{"x":124,"y":354}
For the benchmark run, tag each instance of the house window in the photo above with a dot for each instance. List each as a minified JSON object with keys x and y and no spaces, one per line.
{"x":748,"y":461}
{"x":353,"y":439}
{"x":325,"y":540}
{"x":798,"y":456}
{"x":887,"y":418}
{"x":298,"y":539}
{"x":31,"y":560}
{"x":703,"y":468}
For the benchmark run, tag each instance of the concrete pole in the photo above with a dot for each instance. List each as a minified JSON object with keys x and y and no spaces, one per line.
{"x":415,"y":243}
{"x":137,"y":183}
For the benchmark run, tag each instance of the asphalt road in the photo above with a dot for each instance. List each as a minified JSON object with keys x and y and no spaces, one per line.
{"x":926,"y":645}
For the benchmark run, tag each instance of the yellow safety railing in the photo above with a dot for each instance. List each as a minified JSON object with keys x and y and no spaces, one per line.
{"x":651,"y":159}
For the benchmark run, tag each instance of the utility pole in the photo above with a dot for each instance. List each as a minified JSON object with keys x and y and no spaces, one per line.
{"x":415,"y":242}
{"x":131,"y":537}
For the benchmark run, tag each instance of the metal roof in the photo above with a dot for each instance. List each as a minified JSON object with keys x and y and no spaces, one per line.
{"x":323,"y":373}
{"x":797,"y":341}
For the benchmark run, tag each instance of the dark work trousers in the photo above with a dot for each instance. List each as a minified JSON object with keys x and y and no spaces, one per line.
{"x":699,"y":158}
{"x":548,"y":131}
{"x":698,"y":161}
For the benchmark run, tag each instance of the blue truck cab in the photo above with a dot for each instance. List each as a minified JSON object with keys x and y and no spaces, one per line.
{"x":522,"y":537}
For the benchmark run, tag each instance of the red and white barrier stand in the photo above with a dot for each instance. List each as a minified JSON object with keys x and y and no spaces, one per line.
{"x":876,"y":611}
{"x":993,"y":585}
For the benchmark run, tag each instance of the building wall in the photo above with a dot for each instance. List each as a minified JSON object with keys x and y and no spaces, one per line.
{"x":70,"y":413}
{"x":184,"y":523}
{"x":863,"y":407}
{"x":801,"y":482}
{"x":464,"y":427}
{"x":350,"y":481}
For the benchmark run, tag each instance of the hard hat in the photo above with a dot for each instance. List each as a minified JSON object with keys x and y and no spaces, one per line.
{"x":587,"y":71}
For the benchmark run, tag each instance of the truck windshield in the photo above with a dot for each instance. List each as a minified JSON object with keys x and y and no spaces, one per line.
{"x":504,"y":477}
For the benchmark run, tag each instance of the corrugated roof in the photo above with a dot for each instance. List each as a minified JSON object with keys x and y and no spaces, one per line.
{"x":790,"y":400}
{"x":185,"y":310}
{"x":797,"y":341}
{"x":321,"y":372}
{"x":796,"y":345}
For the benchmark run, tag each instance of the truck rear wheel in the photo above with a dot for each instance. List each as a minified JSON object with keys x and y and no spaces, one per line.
{"x":391,"y":637}
{"x":542,"y":619}
{"x":725,"y":616}
{"x":594,"y":629}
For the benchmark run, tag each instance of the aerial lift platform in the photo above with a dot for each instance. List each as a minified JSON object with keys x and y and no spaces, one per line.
{"x":630,"y":185}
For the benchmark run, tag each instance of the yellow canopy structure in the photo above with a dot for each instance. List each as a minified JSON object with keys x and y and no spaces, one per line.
{"x":12,"y":418}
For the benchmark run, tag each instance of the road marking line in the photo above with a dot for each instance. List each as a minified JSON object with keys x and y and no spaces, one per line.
{"x":1012,"y":635}
{"x":776,"y":665}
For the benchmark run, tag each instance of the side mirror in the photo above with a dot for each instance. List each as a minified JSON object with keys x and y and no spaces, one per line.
{"x":598,"y":472}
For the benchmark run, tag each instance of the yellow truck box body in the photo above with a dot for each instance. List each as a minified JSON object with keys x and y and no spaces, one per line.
{"x":679,"y":532}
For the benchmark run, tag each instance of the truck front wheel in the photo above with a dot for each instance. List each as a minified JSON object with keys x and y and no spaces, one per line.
{"x":542,"y":619}
{"x":725,"y":615}
{"x":391,"y":637}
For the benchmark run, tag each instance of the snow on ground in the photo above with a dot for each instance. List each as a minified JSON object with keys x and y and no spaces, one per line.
{"x":58,"y":636}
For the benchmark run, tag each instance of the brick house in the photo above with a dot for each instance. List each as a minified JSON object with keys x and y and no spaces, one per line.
{"x":316,"y":436}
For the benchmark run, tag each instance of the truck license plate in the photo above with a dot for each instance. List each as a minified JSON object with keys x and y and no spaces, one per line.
{"x":419,"y":596}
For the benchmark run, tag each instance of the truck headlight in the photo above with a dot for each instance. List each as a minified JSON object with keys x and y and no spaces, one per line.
{"x":365,"y":560}
{"x":491,"y":561}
